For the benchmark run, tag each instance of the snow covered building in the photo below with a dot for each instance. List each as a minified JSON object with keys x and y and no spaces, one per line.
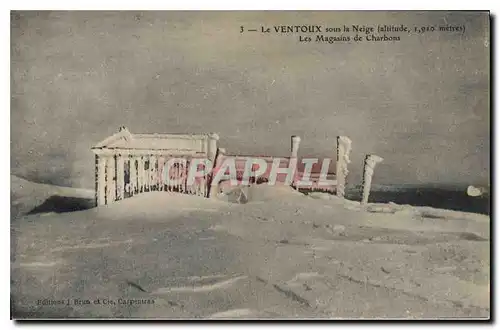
{"x":128,"y":164}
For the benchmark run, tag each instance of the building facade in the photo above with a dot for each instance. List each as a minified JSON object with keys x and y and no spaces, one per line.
{"x":128,"y":164}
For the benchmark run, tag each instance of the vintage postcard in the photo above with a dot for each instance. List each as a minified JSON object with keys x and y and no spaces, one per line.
{"x":250,"y":165}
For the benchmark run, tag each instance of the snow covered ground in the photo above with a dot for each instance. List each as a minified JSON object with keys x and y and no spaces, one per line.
{"x":280,"y":255}
{"x":27,"y":196}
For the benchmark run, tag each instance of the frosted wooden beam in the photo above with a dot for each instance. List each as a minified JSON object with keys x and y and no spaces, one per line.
{"x":295,"y":146}
{"x":161,"y":168}
{"x":100,"y":180}
{"x":157,"y":172}
{"x":150,"y":173}
{"x":370,"y":162}
{"x":173,"y":136}
{"x":110,"y":180}
{"x":294,"y":156}
{"x":147,"y":173}
{"x":133,"y":175}
{"x":213,"y":139}
{"x":147,"y":152}
{"x":213,"y":190}
{"x":343,"y":151}
{"x":140,"y":174}
{"x":120,"y":177}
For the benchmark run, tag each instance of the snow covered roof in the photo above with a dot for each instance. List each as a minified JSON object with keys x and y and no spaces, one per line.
{"x":123,"y":139}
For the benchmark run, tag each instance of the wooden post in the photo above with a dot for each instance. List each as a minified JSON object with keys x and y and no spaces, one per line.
{"x":111,"y":180}
{"x":153,"y":170}
{"x":370,"y":162}
{"x":147,"y":162}
{"x":178,"y":173}
{"x":161,"y":165}
{"x":343,"y":151}
{"x":120,"y":177}
{"x":96,"y":180}
{"x":212,"y":146}
{"x":183,"y":174}
{"x":213,"y":189}
{"x":295,"y":146}
{"x":294,"y":157}
{"x":147,"y":174}
{"x":136,"y":171}
{"x":140,"y":174}
{"x":133,"y":175}
{"x":100,"y":180}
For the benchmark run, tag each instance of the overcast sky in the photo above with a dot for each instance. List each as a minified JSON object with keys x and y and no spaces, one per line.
{"x":422,"y":103}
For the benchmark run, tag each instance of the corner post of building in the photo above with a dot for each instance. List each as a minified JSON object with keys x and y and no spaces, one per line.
{"x":111,"y":179}
{"x":147,"y":172}
{"x":161,"y":168}
{"x":100,"y":178}
{"x":369,"y":166}
{"x":343,"y":151}
{"x":213,"y":188}
{"x":151,"y":171}
{"x":295,"y":143}
{"x":213,"y":139}
{"x":120,"y":176}
{"x":133,"y":174}
{"x":140,"y":173}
